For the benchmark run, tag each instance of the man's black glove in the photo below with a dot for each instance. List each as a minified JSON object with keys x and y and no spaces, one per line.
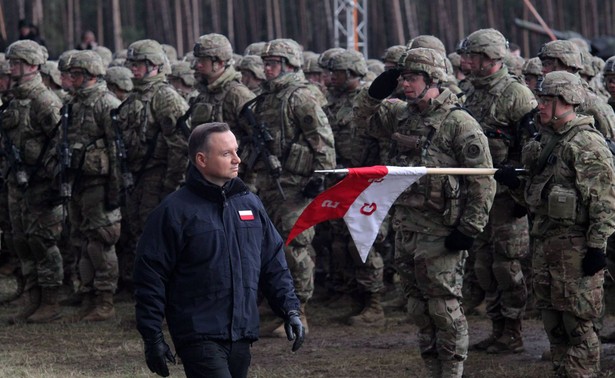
{"x":294,"y":329}
{"x":519,"y":211}
{"x":384,"y":84}
{"x":458,"y":241}
{"x":594,"y":261}
{"x":157,"y":352}
{"x":314,"y":187}
{"x":508,"y":177}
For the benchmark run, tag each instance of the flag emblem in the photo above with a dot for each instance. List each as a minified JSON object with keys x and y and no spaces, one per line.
{"x":246,"y":215}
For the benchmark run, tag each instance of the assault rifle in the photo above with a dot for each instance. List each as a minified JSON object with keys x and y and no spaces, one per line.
{"x":127,"y":178}
{"x":65,"y":154}
{"x":12,"y":154}
{"x":260,"y":137}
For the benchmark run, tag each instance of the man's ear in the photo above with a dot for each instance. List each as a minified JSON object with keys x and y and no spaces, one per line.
{"x":201,"y":159}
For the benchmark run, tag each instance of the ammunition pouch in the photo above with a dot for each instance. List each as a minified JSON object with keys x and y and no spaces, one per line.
{"x":300,"y":160}
{"x":562,"y":205}
{"x":96,"y":159}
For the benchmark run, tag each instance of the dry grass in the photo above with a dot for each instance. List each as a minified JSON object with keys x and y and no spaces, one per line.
{"x":113,"y":349}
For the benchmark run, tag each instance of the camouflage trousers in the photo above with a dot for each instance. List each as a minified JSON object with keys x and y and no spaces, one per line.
{"x":94,"y":232}
{"x":147,"y":194}
{"x":569,"y":302}
{"x":432,"y":278}
{"x":347,"y":269}
{"x":36,"y":229}
{"x":498,"y":251}
{"x":284,"y":214}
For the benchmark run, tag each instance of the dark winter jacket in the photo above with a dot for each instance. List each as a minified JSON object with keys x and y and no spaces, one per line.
{"x":200,"y":260}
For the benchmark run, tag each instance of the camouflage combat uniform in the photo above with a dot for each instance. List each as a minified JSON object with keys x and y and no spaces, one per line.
{"x":569,"y":193}
{"x":302,"y":142}
{"x":156,"y":147}
{"x":94,"y":208}
{"x":347,"y":269}
{"x":427,"y":213}
{"x":36,"y":214}
{"x":499,"y":102}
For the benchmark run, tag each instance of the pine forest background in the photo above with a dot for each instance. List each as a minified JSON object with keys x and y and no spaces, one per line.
{"x":117,"y":23}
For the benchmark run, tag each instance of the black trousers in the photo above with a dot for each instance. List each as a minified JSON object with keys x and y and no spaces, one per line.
{"x":216,"y":359}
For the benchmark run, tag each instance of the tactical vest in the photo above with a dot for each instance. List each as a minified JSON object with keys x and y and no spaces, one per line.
{"x":209,"y":106}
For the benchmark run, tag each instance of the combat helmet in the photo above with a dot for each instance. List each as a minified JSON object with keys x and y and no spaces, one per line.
{"x":350,"y":60}
{"x":485,"y":41}
{"x":146,"y":49}
{"x":254,"y":64}
{"x":609,"y":67}
{"x":5,"y":68}
{"x":393,"y":54}
{"x":28,"y":51}
{"x":285,"y":48}
{"x":532,"y":66}
{"x":183,"y":72}
{"x":375,"y":66}
{"x":64,"y":60}
{"x":215,"y":46}
{"x":325,"y":56}
{"x":455,"y":60}
{"x":105,"y":54}
{"x":310,"y":64}
{"x":424,"y":60}
{"x":88,"y":61}
{"x":120,"y":77}
{"x":565,"y":51}
{"x":255,"y":48}
{"x":50,"y":68}
{"x":428,"y":41}
{"x":170,"y":52}
{"x":562,"y":84}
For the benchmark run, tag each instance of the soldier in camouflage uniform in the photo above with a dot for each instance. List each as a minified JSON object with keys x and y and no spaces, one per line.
{"x":156,"y":146}
{"x":119,"y":82}
{"x":51,"y":78}
{"x":29,"y":126}
{"x":182,"y":78}
{"x":532,"y":72}
{"x":569,"y":193}
{"x":222,"y":95}
{"x":351,"y":150}
{"x":436,"y":219}
{"x":314,"y":73}
{"x":500,"y":102}
{"x":608,"y":73}
{"x":93,"y":178}
{"x":302,"y":142}
{"x":255,"y":48}
{"x":390,"y":58}
{"x":563,"y":55}
{"x":252,"y":73}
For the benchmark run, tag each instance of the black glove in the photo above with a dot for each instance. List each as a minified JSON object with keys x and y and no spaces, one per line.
{"x":314,"y":187}
{"x":157,"y":352}
{"x":519,"y":211}
{"x":594,"y":261}
{"x":294,"y":329}
{"x":384,"y":84}
{"x":508,"y":177}
{"x":458,"y":241}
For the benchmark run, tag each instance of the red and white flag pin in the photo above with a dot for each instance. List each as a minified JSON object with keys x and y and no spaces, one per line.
{"x":246,"y":215}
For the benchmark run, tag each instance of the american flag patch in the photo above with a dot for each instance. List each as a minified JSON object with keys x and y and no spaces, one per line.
{"x":246,"y":215}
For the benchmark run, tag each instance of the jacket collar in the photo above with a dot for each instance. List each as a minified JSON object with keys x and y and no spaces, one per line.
{"x":214,"y":193}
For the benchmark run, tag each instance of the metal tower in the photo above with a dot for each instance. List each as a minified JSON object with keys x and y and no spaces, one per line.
{"x":350,"y":31}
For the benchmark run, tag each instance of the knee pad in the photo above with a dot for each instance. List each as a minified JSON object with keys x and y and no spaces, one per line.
{"x":418,"y":313}
{"x":445,"y":311}
{"x":108,"y":235}
{"x":508,"y":274}
{"x":578,"y":330}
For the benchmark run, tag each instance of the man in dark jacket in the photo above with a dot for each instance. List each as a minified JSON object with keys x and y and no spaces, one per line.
{"x":204,"y":253}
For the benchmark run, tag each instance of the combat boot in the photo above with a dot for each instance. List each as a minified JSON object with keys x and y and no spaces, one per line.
{"x":32,"y":304}
{"x":103,"y":308}
{"x":372,"y":314}
{"x":497,"y":329}
{"x":87,"y":305}
{"x":49,"y":310}
{"x":281,"y":332}
{"x":452,"y":369}
{"x":511,"y":340}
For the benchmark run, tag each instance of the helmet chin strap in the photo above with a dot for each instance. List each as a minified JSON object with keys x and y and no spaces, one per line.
{"x":421,"y":96}
{"x":554,"y":117}
{"x":22,"y":75}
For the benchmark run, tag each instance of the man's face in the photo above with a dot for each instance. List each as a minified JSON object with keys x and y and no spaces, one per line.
{"x":474,"y":63}
{"x":67,"y":83}
{"x":551,"y":65}
{"x":548,"y":106}
{"x":273,"y":67}
{"x":609,"y":83}
{"x":531,"y":81}
{"x":339,"y":79}
{"x":77,"y":77}
{"x":204,"y":67}
{"x":138,"y":68}
{"x":413,"y":85}
{"x":221,"y":162}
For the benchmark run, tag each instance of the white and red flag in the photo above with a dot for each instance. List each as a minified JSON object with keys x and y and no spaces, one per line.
{"x":363,"y":198}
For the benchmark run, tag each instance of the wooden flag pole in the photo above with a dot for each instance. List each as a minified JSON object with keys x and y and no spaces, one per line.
{"x":436,"y":171}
